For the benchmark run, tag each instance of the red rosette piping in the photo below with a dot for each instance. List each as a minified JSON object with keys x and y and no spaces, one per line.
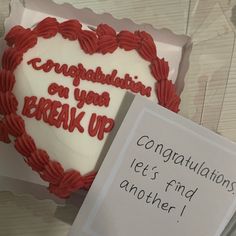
{"x":15,"y":124}
{"x":47,"y":28}
{"x":104,"y":29}
{"x":107,"y":41}
{"x":159,"y":69}
{"x":8,"y":103}
{"x":70,"y":29}
{"x":13,"y":34}
{"x":167,"y":96}
{"x":56,"y":190}
{"x":147,"y":49}
{"x":70,"y":182}
{"x":128,"y":41}
{"x":38,"y":160}
{"x":52,"y":172}
{"x":4,"y":133}
{"x":88,"y":41}
{"x":25,"y":145}
{"x":7,"y":81}
{"x":88,"y":180}
{"x":22,"y":39}
{"x":11,"y":58}
{"x":107,"y":44}
{"x":26,"y":40}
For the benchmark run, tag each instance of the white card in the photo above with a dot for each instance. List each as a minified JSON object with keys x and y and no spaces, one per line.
{"x":163,"y":175}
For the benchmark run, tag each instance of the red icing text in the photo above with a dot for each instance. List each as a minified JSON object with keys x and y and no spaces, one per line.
{"x":54,"y":113}
{"x":62,"y":91}
{"x":80,"y":73}
{"x":63,"y":116}
{"x":90,"y":97}
{"x":99,"y":125}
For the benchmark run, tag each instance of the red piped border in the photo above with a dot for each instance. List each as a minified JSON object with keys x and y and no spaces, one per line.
{"x":103,"y":40}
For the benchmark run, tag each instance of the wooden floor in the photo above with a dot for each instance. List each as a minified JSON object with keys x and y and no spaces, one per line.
{"x":204,"y":100}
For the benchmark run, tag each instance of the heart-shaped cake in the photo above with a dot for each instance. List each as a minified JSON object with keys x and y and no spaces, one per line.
{"x":61,"y":88}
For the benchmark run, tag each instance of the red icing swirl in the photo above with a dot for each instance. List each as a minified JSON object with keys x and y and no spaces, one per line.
{"x":70,"y":29}
{"x":8,"y":103}
{"x":52,"y":173}
{"x":167,"y":96}
{"x":47,"y":28}
{"x":147,"y":49}
{"x":11,"y":59}
{"x":13,"y":34}
{"x":107,"y":41}
{"x":7,"y":80}
{"x":25,"y":145}
{"x":104,"y":29}
{"x":70,"y":182}
{"x":4,"y":133}
{"x":88,"y":180}
{"x":159,"y":69}
{"x":15,"y":124}
{"x":21,"y":38}
{"x":59,"y":192}
{"x":88,"y":41}
{"x":26,"y":40}
{"x":38,"y":160}
{"x":128,"y":41}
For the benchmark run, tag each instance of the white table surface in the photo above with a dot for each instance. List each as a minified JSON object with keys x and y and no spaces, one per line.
{"x":26,"y":216}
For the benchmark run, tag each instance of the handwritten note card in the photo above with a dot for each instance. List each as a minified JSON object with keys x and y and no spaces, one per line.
{"x":163,"y":175}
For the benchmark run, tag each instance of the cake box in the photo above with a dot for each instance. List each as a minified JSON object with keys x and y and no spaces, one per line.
{"x":16,"y":176}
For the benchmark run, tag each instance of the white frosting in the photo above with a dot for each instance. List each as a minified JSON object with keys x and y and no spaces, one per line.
{"x":75,"y":150}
